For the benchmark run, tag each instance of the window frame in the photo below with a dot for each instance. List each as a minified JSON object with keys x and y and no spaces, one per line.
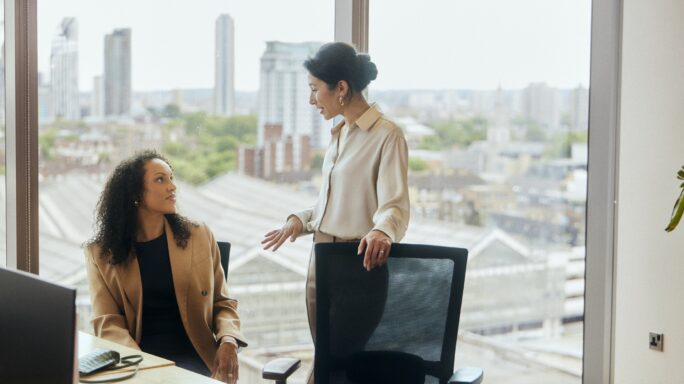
{"x":21,"y":135}
{"x":604,"y":112}
{"x":351,"y":25}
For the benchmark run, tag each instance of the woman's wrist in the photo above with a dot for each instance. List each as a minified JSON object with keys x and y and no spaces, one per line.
{"x":383,"y":233}
{"x":295,"y":219}
{"x":229,"y":340}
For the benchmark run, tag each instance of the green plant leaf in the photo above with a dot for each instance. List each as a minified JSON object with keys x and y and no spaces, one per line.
{"x":677,"y":212}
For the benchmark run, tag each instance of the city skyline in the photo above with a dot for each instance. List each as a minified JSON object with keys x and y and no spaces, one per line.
{"x":492,"y":42}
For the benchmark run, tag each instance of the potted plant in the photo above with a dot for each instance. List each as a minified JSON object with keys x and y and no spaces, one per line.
{"x":678,"y":209}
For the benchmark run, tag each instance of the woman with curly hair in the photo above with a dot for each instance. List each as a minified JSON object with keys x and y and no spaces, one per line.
{"x":156,"y":281}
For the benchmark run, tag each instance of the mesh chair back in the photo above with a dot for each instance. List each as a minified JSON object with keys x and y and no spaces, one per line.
{"x":395,"y":324}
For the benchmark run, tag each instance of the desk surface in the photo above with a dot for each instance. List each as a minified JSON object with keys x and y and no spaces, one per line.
{"x":153,"y":369}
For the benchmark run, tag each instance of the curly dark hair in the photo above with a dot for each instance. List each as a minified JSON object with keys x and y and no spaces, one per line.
{"x":116,"y":219}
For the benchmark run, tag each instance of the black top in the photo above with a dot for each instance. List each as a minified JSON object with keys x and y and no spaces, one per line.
{"x":162,"y":328}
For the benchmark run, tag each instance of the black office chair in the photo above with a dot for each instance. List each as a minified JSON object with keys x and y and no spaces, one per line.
{"x":224,"y":248}
{"x":395,"y":324}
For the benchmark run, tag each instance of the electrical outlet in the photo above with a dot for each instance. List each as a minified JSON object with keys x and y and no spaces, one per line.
{"x":655,"y":341}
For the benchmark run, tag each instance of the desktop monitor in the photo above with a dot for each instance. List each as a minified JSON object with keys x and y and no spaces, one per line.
{"x":37,"y":330}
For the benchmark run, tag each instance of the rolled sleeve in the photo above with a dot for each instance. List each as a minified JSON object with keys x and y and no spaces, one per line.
{"x":226,"y":319}
{"x":305,"y":217}
{"x":392,"y":215}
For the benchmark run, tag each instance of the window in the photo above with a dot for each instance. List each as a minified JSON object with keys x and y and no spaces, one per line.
{"x":195,"y":84}
{"x":605,"y":63}
{"x":493,"y":98}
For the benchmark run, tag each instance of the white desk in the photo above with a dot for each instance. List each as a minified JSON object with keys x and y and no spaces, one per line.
{"x":153,"y":369}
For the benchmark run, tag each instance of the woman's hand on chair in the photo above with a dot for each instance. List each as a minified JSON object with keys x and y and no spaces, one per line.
{"x":226,"y":364}
{"x":377,"y":246}
{"x":274,"y":239}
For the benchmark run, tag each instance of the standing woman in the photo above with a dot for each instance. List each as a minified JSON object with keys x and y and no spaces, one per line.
{"x":156,"y":281}
{"x":364,"y":196}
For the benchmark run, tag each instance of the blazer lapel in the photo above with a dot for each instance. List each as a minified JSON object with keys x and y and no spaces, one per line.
{"x":181,"y":264}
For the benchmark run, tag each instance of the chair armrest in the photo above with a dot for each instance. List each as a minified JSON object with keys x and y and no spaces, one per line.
{"x":468,"y":375}
{"x":280,"y":369}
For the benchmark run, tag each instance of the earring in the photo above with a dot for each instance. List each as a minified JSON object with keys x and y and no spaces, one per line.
{"x":341,"y":101}
{"x":136,"y":203}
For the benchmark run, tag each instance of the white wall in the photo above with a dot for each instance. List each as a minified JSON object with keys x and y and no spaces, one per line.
{"x":649,"y":279}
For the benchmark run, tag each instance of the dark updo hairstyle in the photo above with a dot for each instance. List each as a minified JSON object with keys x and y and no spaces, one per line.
{"x":339,"y":61}
{"x":116,"y":220}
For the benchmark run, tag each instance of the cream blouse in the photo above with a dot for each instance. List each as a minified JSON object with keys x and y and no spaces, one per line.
{"x":365,"y":182}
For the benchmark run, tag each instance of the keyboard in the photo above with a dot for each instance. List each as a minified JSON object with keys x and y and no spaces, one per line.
{"x":97,"y":360}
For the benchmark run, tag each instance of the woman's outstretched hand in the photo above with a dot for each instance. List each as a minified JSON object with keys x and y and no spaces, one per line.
{"x":377,"y":246}
{"x":274,"y":239}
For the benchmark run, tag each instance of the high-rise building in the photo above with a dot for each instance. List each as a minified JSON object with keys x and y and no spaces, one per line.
{"x":579,"y":109}
{"x":499,"y":131}
{"x":542,"y":105}
{"x":284,"y":100}
{"x":224,"y":66}
{"x":64,"y":71}
{"x":117,"y":73}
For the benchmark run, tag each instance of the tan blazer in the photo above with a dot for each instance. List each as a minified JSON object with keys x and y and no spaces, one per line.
{"x":206,"y":310}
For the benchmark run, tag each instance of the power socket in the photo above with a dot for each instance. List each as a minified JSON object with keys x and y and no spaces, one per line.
{"x":655,"y":341}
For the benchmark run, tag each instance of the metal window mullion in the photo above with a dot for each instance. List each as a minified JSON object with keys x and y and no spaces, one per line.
{"x":351,"y":26}
{"x":21,"y":134}
{"x":351,"y":23}
{"x":604,"y":109}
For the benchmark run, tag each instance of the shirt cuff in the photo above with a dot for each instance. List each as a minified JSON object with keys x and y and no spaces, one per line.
{"x":387,"y":230}
{"x":229,"y":339}
{"x":304,"y":217}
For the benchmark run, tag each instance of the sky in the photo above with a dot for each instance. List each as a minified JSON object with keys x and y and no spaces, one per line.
{"x":426,"y":44}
